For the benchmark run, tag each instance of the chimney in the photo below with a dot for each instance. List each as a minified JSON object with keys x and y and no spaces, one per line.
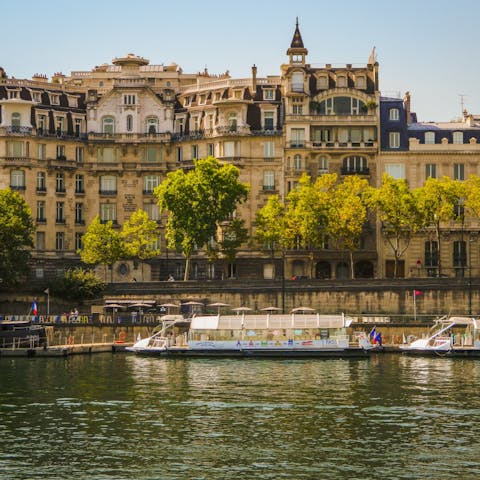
{"x":254,"y":79}
{"x":406,"y":101}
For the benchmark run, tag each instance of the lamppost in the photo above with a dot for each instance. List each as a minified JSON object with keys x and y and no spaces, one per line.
{"x":470,"y":241}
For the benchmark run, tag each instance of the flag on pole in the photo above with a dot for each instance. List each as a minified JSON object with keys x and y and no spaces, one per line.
{"x":417,"y":292}
{"x":47,"y":291}
{"x":372,"y":334}
{"x":34,"y":308}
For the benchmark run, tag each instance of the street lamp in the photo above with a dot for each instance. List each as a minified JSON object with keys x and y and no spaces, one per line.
{"x":470,"y":241}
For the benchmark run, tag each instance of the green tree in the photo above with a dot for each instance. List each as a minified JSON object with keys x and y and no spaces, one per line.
{"x":197,"y":201}
{"x":139,"y":235}
{"x":102,"y":245}
{"x":437,"y":201}
{"x":348,"y":214}
{"x":16,"y":232}
{"x":397,"y":211}
{"x":77,"y":284}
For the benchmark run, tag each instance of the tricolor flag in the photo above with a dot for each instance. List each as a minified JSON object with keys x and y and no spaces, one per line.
{"x":373,"y":332}
{"x":34,"y":308}
{"x":417,"y":292}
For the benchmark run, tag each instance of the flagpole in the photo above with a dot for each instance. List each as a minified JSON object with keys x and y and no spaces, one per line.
{"x":414,"y":307}
{"x":47,"y":291}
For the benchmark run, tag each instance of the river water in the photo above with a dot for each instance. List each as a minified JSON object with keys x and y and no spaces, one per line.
{"x":118,"y":416}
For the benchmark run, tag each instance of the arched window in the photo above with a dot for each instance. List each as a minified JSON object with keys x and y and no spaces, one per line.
{"x":152,"y":125}
{"x":15,"y":119}
{"x":354,"y":165}
{"x":108,"y":125}
{"x":297,"y":162}
{"x":129,"y":123}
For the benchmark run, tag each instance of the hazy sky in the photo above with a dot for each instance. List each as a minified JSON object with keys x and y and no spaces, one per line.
{"x":428,"y":47}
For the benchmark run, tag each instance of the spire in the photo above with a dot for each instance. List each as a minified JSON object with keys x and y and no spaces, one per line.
{"x":297,"y":41}
{"x":372,"y":58}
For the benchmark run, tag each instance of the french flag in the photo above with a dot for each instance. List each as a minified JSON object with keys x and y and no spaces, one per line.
{"x":34,"y":308}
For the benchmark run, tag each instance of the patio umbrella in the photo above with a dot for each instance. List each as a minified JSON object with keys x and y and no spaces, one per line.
{"x":242,"y":309}
{"x":192,"y":303}
{"x":114,"y":307}
{"x":168,"y":306}
{"x":270,"y":309}
{"x":303,"y":309}
{"x":219,"y":305}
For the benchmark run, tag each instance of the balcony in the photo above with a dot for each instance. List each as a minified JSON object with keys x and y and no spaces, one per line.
{"x":107,"y":192}
{"x":129,"y":137}
{"x":266,"y":132}
{"x":18,"y":188}
{"x":62,"y":135}
{"x":333,"y":119}
{"x":370,"y":144}
{"x":17,"y":161}
{"x":355,"y":171}
{"x":15,"y":130}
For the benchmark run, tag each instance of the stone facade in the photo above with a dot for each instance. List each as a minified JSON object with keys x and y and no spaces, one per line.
{"x":98,"y":142}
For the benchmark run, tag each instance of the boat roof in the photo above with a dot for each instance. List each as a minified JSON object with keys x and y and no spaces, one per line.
{"x":268,"y":322}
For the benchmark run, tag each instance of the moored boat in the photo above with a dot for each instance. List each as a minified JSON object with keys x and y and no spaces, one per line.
{"x":21,"y":334}
{"x":449,"y":336}
{"x":271,"y":335}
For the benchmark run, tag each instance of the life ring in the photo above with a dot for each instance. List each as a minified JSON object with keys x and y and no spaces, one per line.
{"x":121,"y":337}
{"x":71,"y":340}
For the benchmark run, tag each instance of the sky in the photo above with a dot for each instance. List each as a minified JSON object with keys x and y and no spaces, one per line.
{"x":426,"y":47}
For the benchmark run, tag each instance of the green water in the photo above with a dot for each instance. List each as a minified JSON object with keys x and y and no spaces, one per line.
{"x":124,"y":417}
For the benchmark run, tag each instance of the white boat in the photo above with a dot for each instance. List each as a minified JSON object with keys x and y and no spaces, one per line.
{"x":452,"y":336}
{"x":270,"y":335}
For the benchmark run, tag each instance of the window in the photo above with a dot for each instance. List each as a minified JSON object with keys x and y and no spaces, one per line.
{"x":108,"y":185}
{"x":150,"y":182}
{"x":394,"y":114}
{"x":211,"y":149}
{"x":297,"y":108}
{"x":459,"y":171}
{"x":79,"y":154}
{"x":229,"y":149}
{"x":78,"y":127}
{"x":237,"y":94}
{"x":458,"y":137}
{"x":394,"y":139}
{"x":152,"y":125}
{"x":395,"y":170}
{"x":268,"y":94}
{"x":59,"y":241}
{"x":108,"y":125}
{"x":79,"y":214}
{"x":322,"y":165}
{"x":354,"y":164}
{"x":106,"y":155}
{"x":341,"y":81}
{"x":108,"y":212}
{"x":194,"y":152}
{"x":151,"y":154}
{"x":60,"y":183}
{"x":179,"y":154}
{"x":129,"y":123}
{"x":16,"y":149}
{"x":202,"y":99}
{"x":37,"y":97}
{"x":61,"y":152}
{"x":42,"y":151}
{"x":153,"y":211}
{"x":78,"y":241}
{"x":17,"y":180}
{"x":322,"y":82}
{"x":360,"y":82}
{"x":232,"y":122}
{"x":298,"y":137}
{"x":41,"y":211}
{"x":297,"y":82}
{"x":269,"y":149}
{"x":269,"y":180}
{"x":60,"y":125}
{"x":60,"y":212}
{"x":54,"y":99}
{"x":297,"y":162}
{"x":341,"y":106}
{"x":459,"y":254}
{"x":129,"y":99}
{"x":12,"y":93}
{"x":40,"y":243}
{"x":79,"y":184}
{"x":429,"y":138}
{"x":430,"y":170}
{"x":41,"y":182}
{"x":16,"y":119}
{"x":431,"y":254}
{"x":268,"y":120}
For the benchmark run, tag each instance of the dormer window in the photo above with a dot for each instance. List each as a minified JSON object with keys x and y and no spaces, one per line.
{"x":269,"y":94}
{"x":237,"y":94}
{"x":429,"y":138}
{"x":394,"y":114}
{"x":201,"y":100}
{"x":322,"y":82}
{"x":13,"y":93}
{"x":458,"y":137}
{"x":54,"y":99}
{"x":341,"y":81}
{"x":129,"y":99}
{"x":187,"y":101}
{"x":217,"y":96}
{"x":37,"y":97}
{"x":360,"y":82}
{"x":72,"y":101}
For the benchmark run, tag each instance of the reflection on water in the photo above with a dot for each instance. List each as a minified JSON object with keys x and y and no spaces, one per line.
{"x":121,"y":416}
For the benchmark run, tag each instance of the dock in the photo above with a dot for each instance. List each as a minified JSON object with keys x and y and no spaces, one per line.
{"x":65,"y":350}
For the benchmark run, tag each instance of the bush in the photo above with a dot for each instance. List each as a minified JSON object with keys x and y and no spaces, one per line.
{"x":78,"y":284}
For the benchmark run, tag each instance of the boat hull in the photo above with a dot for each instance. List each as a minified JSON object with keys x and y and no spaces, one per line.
{"x":455,"y":352}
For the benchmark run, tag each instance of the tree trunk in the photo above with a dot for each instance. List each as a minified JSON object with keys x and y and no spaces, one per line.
{"x":352,"y":269}
{"x":187,"y":269}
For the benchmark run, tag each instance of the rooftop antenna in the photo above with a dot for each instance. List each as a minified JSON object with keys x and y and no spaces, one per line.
{"x":462,"y":101}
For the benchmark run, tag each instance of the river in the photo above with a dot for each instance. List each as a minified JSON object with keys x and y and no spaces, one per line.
{"x":118,"y":416}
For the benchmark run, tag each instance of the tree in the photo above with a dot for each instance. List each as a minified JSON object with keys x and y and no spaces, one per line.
{"x":102,"y":244}
{"x":77,"y":284}
{"x":398,"y":213}
{"x":437,"y":201}
{"x":348,"y":214}
{"x":197,"y":201}
{"x":139,"y":235}
{"x":16,"y":232}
